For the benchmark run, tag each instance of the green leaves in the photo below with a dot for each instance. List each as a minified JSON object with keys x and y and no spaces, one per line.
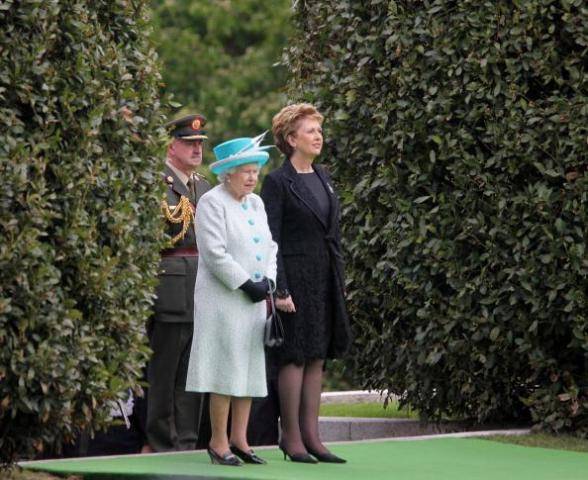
{"x":79,"y":217}
{"x":223,"y":59}
{"x":453,"y":157}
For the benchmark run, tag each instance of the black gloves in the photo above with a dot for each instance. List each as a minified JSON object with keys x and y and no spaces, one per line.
{"x":256,"y":291}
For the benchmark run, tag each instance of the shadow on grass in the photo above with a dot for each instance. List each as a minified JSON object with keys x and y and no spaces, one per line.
{"x":544,"y":440}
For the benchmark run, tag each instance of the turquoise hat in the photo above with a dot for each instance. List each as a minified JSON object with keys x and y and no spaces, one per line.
{"x":239,"y":151}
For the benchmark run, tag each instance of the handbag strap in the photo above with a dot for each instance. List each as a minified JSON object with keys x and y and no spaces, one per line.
{"x":277,"y":321}
{"x":271,"y":291}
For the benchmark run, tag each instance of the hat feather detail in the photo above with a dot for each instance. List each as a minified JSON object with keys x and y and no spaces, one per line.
{"x":239,"y":151}
{"x":254,"y":146}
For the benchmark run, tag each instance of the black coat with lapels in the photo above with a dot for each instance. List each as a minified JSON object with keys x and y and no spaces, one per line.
{"x":310,"y":265}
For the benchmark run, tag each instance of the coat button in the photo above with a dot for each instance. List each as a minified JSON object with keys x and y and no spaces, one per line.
{"x":251,"y":221}
{"x":257,"y":275}
{"x":258,"y":257}
{"x":244,"y":206}
{"x":256,"y":239}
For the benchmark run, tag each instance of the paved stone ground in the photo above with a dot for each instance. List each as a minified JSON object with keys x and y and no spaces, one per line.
{"x":337,"y":429}
{"x":354,"y":396}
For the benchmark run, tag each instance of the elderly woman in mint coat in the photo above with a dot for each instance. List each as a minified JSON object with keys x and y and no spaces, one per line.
{"x":237,"y":256}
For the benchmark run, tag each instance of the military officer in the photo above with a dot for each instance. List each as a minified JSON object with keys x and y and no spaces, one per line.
{"x":174,"y":415}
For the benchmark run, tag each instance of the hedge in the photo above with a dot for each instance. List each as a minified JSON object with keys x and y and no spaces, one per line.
{"x":79,"y":221}
{"x":457,"y":133}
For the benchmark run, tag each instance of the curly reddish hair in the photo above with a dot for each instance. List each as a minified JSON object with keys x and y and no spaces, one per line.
{"x":285,"y":123}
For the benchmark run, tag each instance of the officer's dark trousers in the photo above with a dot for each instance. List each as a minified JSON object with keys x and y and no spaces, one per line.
{"x":173,"y":415}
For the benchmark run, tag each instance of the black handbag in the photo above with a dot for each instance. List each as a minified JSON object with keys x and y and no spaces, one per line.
{"x":274,"y":330}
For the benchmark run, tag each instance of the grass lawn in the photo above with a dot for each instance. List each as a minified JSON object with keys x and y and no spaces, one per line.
{"x":557,"y":442}
{"x":366,"y":410}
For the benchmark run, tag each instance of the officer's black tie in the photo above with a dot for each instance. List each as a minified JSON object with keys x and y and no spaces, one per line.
{"x":191,"y":189}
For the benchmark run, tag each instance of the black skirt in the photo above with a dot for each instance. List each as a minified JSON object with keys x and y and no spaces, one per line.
{"x":308,"y":332}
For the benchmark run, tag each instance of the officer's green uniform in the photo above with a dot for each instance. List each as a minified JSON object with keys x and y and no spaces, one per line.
{"x":173,"y":415}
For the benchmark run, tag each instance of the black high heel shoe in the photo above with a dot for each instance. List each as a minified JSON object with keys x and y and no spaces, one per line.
{"x":327,"y":457}
{"x":296,"y":457}
{"x":248,"y":457}
{"x":227,"y":459}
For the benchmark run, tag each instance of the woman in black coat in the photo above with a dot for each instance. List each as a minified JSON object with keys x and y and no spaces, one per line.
{"x":303,"y":215}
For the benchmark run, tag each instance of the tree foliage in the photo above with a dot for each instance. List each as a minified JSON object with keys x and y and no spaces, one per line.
{"x":222,"y":59}
{"x":79,"y":220}
{"x":457,"y":133}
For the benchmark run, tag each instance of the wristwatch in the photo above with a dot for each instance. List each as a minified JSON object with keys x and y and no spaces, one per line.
{"x":282,"y":293}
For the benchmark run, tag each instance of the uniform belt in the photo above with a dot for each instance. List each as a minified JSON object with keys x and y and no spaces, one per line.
{"x":180,"y":252}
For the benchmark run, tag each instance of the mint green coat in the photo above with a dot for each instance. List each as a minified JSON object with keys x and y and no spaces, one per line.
{"x":235,"y":245}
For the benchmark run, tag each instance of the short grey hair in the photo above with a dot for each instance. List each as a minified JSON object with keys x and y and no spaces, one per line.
{"x":222,"y":176}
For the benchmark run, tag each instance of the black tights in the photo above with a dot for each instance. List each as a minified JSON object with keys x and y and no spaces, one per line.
{"x":300,"y":400}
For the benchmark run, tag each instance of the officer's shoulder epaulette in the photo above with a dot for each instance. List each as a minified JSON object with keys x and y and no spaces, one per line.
{"x":168,"y":179}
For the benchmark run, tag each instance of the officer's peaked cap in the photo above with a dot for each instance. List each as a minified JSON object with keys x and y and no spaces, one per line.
{"x":189,"y":127}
